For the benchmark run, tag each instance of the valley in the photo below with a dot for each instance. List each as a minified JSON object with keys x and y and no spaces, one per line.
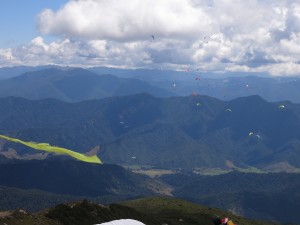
{"x":236,"y":155}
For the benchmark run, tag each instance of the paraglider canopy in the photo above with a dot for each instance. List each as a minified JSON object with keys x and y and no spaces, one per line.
{"x":123,"y":222}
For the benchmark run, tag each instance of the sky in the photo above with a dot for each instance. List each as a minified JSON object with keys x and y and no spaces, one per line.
{"x":207,"y":35}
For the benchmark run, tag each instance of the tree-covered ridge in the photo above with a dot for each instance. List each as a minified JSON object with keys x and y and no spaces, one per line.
{"x":178,"y":132}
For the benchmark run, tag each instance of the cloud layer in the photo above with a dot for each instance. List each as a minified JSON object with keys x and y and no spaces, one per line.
{"x":218,"y":35}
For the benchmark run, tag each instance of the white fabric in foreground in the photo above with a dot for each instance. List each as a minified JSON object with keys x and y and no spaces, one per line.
{"x":123,"y":222}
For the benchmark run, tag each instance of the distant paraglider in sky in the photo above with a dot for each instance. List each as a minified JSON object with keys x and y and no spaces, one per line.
{"x":251,"y":134}
{"x":206,"y":39}
{"x":197,"y":80}
{"x":124,"y":124}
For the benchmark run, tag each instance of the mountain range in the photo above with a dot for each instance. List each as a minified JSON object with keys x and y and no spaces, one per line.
{"x":73,"y":85}
{"x":177,"y":132}
{"x":77,"y":84}
{"x":154,"y":119}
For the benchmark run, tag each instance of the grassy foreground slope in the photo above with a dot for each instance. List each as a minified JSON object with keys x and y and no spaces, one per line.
{"x":151,"y":211}
{"x":177,"y":211}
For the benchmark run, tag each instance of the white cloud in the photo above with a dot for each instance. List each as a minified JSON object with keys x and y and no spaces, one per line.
{"x":77,"y":53}
{"x":281,"y":69}
{"x":6,"y":56}
{"x":234,"y":35}
{"x":126,"y":19}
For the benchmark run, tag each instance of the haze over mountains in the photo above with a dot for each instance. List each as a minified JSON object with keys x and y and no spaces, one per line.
{"x":76,"y":84}
{"x":73,"y":85}
{"x":225,"y":86}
